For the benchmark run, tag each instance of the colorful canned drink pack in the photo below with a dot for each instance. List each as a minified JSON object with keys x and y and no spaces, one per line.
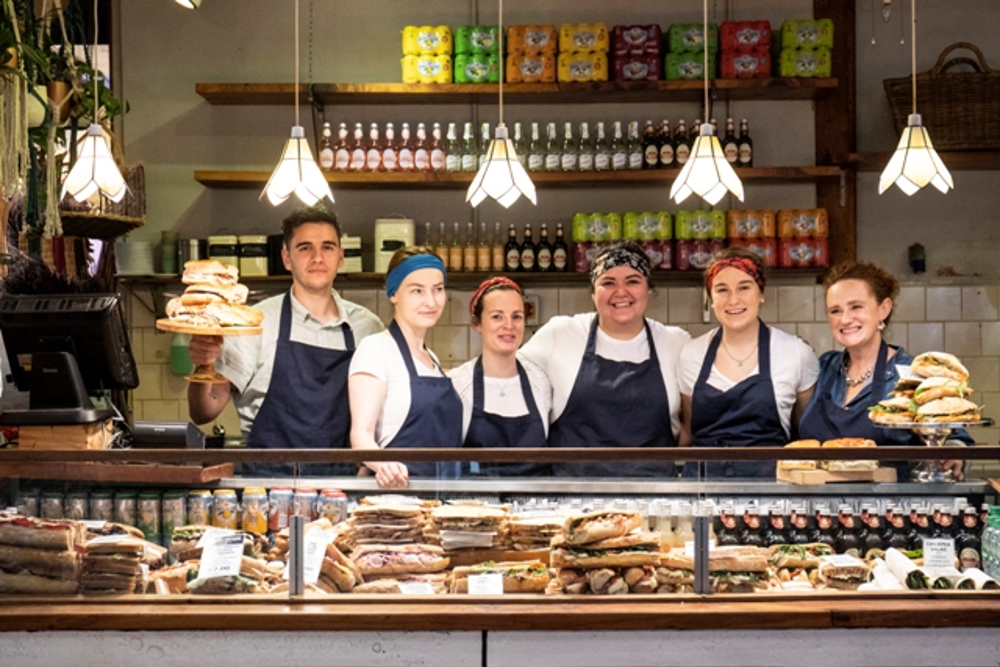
{"x":636,"y":40}
{"x":427,"y":69}
{"x":695,"y":254}
{"x":477,"y":39}
{"x":700,"y":225}
{"x":426,"y":40}
{"x":583,"y":38}
{"x":531,"y":68}
{"x":690,"y":38}
{"x":803,"y":223}
{"x":686,"y":66}
{"x":751,"y":64}
{"x":745,"y":35}
{"x":637,"y":68}
{"x":533,"y":40}
{"x":766,"y":248}
{"x":806,"y":33}
{"x":583,"y":66}
{"x":750,"y":224}
{"x":816,"y":62}
{"x":800,"y":253}
{"x":477,"y":68}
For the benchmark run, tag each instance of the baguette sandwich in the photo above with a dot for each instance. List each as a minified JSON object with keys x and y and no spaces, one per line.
{"x":804,"y":556}
{"x":596,"y":526}
{"x":636,"y":548}
{"x":518,"y":576}
{"x":51,"y":534}
{"x":251,"y":578}
{"x":843,"y":572}
{"x":730,"y":569}
{"x":338,"y":571}
{"x":399,"y":558}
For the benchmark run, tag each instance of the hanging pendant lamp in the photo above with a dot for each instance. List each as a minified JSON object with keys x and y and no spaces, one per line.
{"x":189,"y":4}
{"x":502,"y":177}
{"x":915,"y":164}
{"x":707,"y":173}
{"x":95,"y":169}
{"x":297,"y":172}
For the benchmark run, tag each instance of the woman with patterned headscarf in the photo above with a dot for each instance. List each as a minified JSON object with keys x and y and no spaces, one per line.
{"x":744,"y":384}
{"x":613,"y":372}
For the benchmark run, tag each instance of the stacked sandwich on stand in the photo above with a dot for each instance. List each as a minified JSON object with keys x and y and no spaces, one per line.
{"x":937,"y":392}
{"x":532,"y":533}
{"x":40,"y":557}
{"x":212,"y":298}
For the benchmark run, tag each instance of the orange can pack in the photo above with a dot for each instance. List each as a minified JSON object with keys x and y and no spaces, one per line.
{"x":531,"y":68}
{"x":803,"y":223}
{"x":751,"y":224}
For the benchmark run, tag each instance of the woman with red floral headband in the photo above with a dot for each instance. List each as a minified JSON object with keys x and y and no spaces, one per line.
{"x":505,"y":401}
{"x":744,"y":384}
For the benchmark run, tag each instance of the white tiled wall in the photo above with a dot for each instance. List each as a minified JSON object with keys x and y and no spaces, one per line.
{"x":962,"y":320}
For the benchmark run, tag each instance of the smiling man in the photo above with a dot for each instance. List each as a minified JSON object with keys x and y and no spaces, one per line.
{"x":290,"y":383}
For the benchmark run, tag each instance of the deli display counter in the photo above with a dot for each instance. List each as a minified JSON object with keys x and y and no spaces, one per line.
{"x":493,"y":570}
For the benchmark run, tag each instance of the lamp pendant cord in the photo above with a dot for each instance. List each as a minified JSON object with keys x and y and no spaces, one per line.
{"x":500,"y":46}
{"x":704,"y":52}
{"x":913,"y":49}
{"x":297,"y":63}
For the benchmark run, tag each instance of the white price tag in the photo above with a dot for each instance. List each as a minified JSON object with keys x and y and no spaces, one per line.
{"x":421,"y":588}
{"x":939,"y":553}
{"x":905,"y":372}
{"x":689,"y":548}
{"x":314,"y":550}
{"x":842,"y":560}
{"x":221,"y":557}
{"x":212,"y":533}
{"x":93,"y":524}
{"x":490,"y":583}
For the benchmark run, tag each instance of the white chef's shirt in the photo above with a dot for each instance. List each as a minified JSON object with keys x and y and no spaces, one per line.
{"x":512,"y":403}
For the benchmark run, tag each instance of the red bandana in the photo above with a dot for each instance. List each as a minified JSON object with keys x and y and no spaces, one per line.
{"x":487,"y":284}
{"x":740,"y":263}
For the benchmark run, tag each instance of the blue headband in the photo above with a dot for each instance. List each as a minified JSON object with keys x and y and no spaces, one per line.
{"x":408,"y":266}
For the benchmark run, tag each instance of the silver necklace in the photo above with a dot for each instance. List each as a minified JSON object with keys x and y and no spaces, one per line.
{"x":503,"y":387}
{"x":739,"y":362}
{"x":863,"y":378}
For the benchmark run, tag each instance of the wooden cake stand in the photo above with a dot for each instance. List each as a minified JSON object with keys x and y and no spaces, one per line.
{"x":205,"y":373}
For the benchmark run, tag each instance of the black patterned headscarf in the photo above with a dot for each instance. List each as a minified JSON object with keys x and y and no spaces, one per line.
{"x":622,"y":253}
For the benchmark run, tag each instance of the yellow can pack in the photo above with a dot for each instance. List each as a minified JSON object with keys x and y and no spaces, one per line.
{"x":427,"y":69}
{"x":806,"y":33}
{"x":427,"y":40}
{"x":583,"y":67}
{"x":584,"y":38}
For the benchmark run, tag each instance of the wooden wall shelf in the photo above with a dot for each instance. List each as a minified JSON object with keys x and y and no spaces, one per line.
{"x":239,"y":180}
{"x":954,"y":160}
{"x":514,"y":93}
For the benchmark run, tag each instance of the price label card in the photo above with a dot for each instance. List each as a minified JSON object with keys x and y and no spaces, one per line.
{"x":421,"y":588}
{"x":94,"y":524}
{"x":221,"y":557}
{"x":939,"y":553}
{"x":313,"y":552}
{"x":689,"y":548}
{"x":486,"y":584}
{"x":212,"y":533}
{"x":905,"y":371}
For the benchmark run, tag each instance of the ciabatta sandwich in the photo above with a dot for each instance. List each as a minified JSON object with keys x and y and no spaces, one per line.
{"x":636,"y":548}
{"x":951,"y":409}
{"x":893,"y":410}
{"x":934,"y":388}
{"x":939,"y":364}
{"x":799,"y":465}
{"x":849,"y":466}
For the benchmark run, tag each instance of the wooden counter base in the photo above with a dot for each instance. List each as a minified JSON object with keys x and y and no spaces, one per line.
{"x":374,"y":613}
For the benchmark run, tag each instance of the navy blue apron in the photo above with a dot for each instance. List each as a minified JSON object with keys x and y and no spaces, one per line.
{"x":615,"y":404}
{"x":826,"y":419}
{"x":490,"y":430}
{"x":744,"y":416}
{"x":306,"y":405}
{"x":434,"y":419}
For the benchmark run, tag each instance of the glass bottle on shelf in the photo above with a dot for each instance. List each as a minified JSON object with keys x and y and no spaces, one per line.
{"x":536,"y":151}
{"x":543,"y":251}
{"x":359,"y":151}
{"x":602,"y":153}
{"x":437,"y":149}
{"x":453,"y":162}
{"x":568,"y":156}
{"x":634,"y":146}
{"x":695,"y":130}
{"x":455,"y":250}
{"x":619,"y":151}
{"x":484,"y":145}
{"x":519,"y":147}
{"x":469,"y":253}
{"x":421,"y":152}
{"x":585,"y":150}
{"x":441,"y":249}
{"x":326,"y":155}
{"x":682,"y":145}
{"x":512,"y":251}
{"x":429,"y":235}
{"x":497,"y":248}
{"x":484,"y":250}
{"x":470,"y":151}
{"x":730,"y":145}
{"x":746,"y":145}
{"x":528,"y":252}
{"x":666,"y":144}
{"x":560,"y":251}
{"x":373,"y":157}
{"x":390,"y":154}
{"x":341,"y":150}
{"x":650,"y":147}
{"x":405,"y":151}
{"x":553,"y":156}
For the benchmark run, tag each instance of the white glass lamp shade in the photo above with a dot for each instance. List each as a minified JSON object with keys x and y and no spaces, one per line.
{"x":707,"y":173}
{"x":915,"y":162}
{"x":502,"y":177}
{"x":95,"y":169}
{"x":297,"y":173}
{"x":189,"y":4}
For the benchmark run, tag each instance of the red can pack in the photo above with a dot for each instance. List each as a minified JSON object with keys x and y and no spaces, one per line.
{"x":767,"y":249}
{"x":637,"y":68}
{"x":660,"y":254}
{"x":695,"y":255}
{"x":636,"y":40}
{"x":801,"y":252}
{"x":752,"y":64}
{"x":745,"y":35}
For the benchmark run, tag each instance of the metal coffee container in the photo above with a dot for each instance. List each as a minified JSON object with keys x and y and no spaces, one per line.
{"x":188,"y":249}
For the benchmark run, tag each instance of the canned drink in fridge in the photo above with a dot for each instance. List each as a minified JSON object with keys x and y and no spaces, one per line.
{"x":27,"y":502}
{"x":684,"y":248}
{"x":581,"y":263}
{"x":172,"y":514}
{"x":718,"y":220}
{"x":648,"y":226}
{"x":614,"y":222}
{"x":631,"y":226}
{"x":225,"y":510}
{"x":766,"y":249}
{"x":332,"y":505}
{"x":148,"y":515}
{"x":279,"y":508}
{"x":76,"y":506}
{"x":581,"y":227}
{"x":666,"y":226}
{"x":102,"y":506}
{"x":666,"y":255}
{"x":654,"y":251}
{"x":125,"y":507}
{"x":52,"y":505}
{"x":702,"y":253}
{"x":254,"y":510}
{"x":796,"y":252}
{"x":304,"y":503}
{"x":682,"y":225}
{"x":701,"y":225}
{"x":803,"y":223}
{"x":821,"y":252}
{"x":199,"y":508}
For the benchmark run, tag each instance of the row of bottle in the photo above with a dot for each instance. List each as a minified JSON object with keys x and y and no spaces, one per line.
{"x":493,"y":253}
{"x":655,"y":149}
{"x":857,"y":536}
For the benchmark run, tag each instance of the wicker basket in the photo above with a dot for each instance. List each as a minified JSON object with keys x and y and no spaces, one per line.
{"x":961,"y":110}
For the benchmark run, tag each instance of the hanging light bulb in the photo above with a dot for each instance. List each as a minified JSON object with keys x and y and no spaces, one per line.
{"x":189,"y":4}
{"x":95,"y":169}
{"x":915,"y":164}
{"x":502,"y":176}
{"x":707,"y":173}
{"x":297,"y":172}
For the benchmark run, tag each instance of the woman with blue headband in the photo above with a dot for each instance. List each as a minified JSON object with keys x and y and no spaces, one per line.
{"x":399,"y":395}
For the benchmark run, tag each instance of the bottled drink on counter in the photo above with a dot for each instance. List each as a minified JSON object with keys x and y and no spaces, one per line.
{"x":602,"y":152}
{"x":528,"y":252}
{"x":497,"y":248}
{"x":469,"y":254}
{"x":775,"y":532}
{"x":543,"y":251}
{"x":405,"y":150}
{"x":536,"y":151}
{"x":682,"y":145}
{"x":695,"y":130}
{"x":727,"y":534}
{"x":453,"y":162}
{"x":470,"y":151}
{"x":560,"y":251}
{"x":944,"y":527}
{"x":359,"y":151}
{"x":967,"y":542}
{"x":341,"y":150}
{"x":824,"y":526}
{"x":484,"y":145}
{"x":650,"y":147}
{"x":634,"y":146}
{"x":390,"y":150}
{"x":847,"y":537}
{"x":619,"y":151}
{"x":519,"y":146}
{"x":512,"y":251}
{"x":750,"y":533}
{"x":437,"y":149}
{"x":484,"y":250}
{"x":326,"y":156}
{"x":919,"y":529}
{"x":441,"y":248}
{"x":896,"y":535}
{"x":421,"y":151}
{"x":568,"y":156}
{"x":746,"y":145}
{"x":874,"y":533}
{"x":373,"y":157}
{"x":553,"y":157}
{"x":666,"y":144}
{"x":798,"y":526}
{"x":455,"y":250}
{"x":585,"y":150}
{"x":730,"y":144}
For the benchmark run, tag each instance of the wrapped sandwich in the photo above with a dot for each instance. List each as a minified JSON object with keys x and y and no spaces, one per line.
{"x":595,"y":526}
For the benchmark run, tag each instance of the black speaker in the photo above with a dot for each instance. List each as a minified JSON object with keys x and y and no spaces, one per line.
{"x":167,"y":435}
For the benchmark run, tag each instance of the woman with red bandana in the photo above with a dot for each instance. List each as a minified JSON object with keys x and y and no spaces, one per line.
{"x":505,"y":400}
{"x":744,"y":384}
